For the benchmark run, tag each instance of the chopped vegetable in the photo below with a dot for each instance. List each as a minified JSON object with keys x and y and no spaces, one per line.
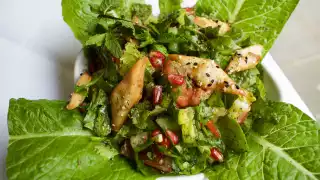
{"x":157,"y":59}
{"x":216,"y":154}
{"x":213,"y":129}
{"x":157,"y":95}
{"x":175,"y":79}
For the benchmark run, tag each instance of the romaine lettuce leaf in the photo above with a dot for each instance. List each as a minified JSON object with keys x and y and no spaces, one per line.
{"x":259,"y":21}
{"x":286,"y":148}
{"x":48,"y":142}
{"x":79,"y":16}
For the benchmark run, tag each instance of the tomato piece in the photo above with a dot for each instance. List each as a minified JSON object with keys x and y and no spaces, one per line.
{"x":213,"y":129}
{"x":157,"y":59}
{"x":157,"y":95}
{"x":155,"y":132}
{"x":174,"y":138}
{"x":216,"y":154}
{"x":175,"y":79}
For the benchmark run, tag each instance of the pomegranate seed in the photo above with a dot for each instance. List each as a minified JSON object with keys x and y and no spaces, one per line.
{"x":174,"y":138}
{"x":165,"y":142}
{"x":157,"y":94}
{"x":213,"y":129}
{"x":157,"y":59}
{"x":175,"y":79}
{"x":115,"y":60}
{"x":216,"y":154}
{"x":155,"y":132}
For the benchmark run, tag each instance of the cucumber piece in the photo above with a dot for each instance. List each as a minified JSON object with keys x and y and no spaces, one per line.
{"x":185,"y":115}
{"x":186,"y":120}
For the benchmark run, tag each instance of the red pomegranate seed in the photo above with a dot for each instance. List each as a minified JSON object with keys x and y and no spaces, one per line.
{"x":165,"y":142}
{"x":157,"y":95}
{"x":216,"y":154}
{"x":155,"y":132}
{"x":174,"y":138}
{"x":157,"y":59}
{"x":175,"y":79}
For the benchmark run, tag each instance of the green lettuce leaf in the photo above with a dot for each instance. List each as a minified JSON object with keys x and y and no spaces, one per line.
{"x":284,"y":149}
{"x":80,"y":17}
{"x":141,"y":114}
{"x":259,"y":21}
{"x":130,"y":56}
{"x":168,"y":6}
{"x":48,"y":142}
{"x":251,"y":81}
{"x":232,"y":134}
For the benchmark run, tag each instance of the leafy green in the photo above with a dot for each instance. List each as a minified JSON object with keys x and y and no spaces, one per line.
{"x":285,"y":148}
{"x":130,"y":56}
{"x":250,"y":80}
{"x":161,"y":48}
{"x":97,"y":40}
{"x":169,"y":6}
{"x":232,"y":134}
{"x":215,"y":100}
{"x":48,"y":142}
{"x":108,"y":40}
{"x":97,"y":118}
{"x":80,"y":18}
{"x":259,"y":21}
{"x":142,"y":11}
{"x":145,"y":37}
{"x":113,"y":45}
{"x":141,"y":114}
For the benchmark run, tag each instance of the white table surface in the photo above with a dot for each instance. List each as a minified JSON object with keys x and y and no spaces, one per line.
{"x":37,"y":52}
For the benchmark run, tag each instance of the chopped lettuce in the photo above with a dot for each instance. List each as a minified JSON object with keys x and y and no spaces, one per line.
{"x":97,"y":118}
{"x":141,"y":115}
{"x":130,"y":56}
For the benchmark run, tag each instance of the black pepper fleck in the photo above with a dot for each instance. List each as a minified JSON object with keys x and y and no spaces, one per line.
{"x":188,"y":63}
{"x":226,"y":84}
{"x":208,"y":75}
{"x":212,"y":80}
{"x":217,"y":67}
{"x":209,"y":85}
{"x":239,"y":54}
{"x":81,"y":74}
{"x":246,"y":59}
{"x":237,"y":86}
{"x":195,"y":63}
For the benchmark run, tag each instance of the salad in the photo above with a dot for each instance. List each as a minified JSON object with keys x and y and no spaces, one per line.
{"x":175,"y":94}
